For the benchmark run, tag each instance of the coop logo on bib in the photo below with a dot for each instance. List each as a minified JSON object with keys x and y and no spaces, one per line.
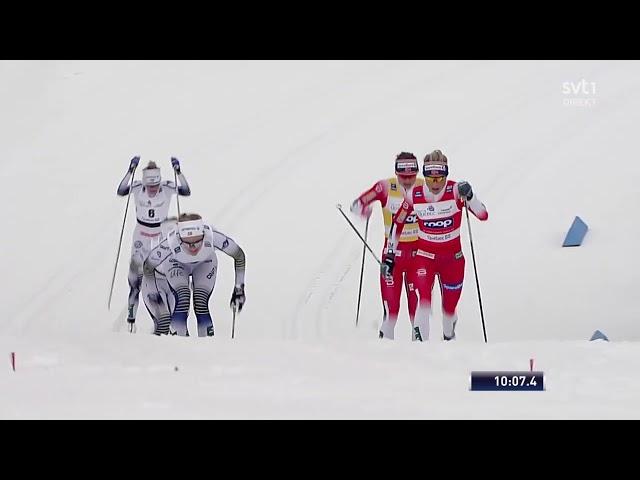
{"x":444,"y":223}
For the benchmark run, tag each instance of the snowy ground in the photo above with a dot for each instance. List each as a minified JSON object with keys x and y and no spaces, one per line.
{"x":128,"y":376}
{"x":269,"y":148}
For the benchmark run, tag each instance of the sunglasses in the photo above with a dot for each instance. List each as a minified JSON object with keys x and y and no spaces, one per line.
{"x":431,"y":180}
{"x":193,"y":244}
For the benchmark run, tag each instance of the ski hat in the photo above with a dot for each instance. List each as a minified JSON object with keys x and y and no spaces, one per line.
{"x":406,"y":164}
{"x":151,"y":175}
{"x":191,"y":228}
{"x":435,"y":164}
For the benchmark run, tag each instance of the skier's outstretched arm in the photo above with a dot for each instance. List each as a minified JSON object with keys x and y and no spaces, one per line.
{"x":183,"y":187}
{"x":463,"y":191}
{"x":361,"y":206}
{"x":231,"y":248}
{"x":123,"y":188}
{"x":155,"y":258}
{"x":397,"y":225}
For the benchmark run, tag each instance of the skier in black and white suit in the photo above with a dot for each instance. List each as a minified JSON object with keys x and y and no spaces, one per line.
{"x":188,"y":251}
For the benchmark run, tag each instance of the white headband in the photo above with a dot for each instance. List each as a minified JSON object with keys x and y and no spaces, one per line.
{"x":406,"y":164}
{"x":435,"y":166}
{"x":191,"y":228}
{"x":151,"y":176}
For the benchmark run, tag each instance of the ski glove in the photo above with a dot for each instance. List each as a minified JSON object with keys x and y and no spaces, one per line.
{"x":238,"y":298}
{"x":175,"y":163}
{"x":134,"y":163}
{"x":358,"y":209}
{"x":464,"y":190}
{"x":389,"y":261}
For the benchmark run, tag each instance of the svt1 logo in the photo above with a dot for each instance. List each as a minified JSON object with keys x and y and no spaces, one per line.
{"x":579,"y":94}
{"x":582,"y":87}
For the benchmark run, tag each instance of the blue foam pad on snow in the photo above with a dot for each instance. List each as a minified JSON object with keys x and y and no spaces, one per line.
{"x":598,"y":335}
{"x":576,"y":233}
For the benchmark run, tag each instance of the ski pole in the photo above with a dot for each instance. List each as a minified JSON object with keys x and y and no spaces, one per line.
{"x":126,"y":209}
{"x":475,"y":270}
{"x":366,"y":230}
{"x":358,"y":233}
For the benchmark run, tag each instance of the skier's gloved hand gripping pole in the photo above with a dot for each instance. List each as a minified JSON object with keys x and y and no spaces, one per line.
{"x":388,"y":263}
{"x":237,"y":302}
{"x":124,"y":189}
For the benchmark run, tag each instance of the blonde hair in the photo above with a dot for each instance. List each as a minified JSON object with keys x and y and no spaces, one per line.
{"x":185,"y":217}
{"x":436,"y":157}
